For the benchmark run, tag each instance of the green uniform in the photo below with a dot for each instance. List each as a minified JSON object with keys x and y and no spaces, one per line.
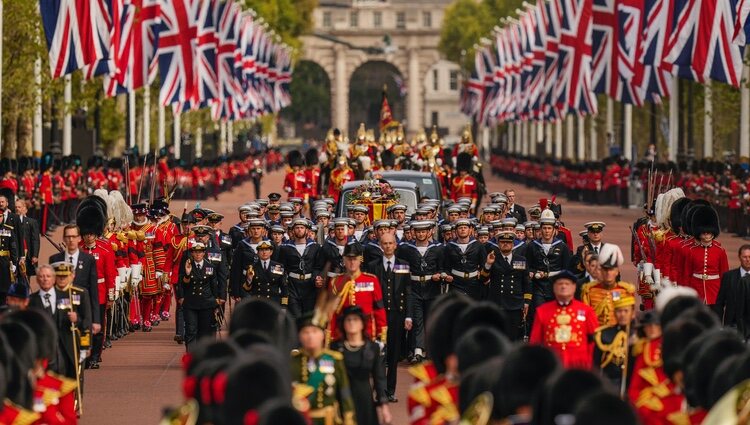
{"x":331,"y":399}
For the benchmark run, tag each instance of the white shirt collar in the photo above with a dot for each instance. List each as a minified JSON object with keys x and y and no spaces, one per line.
{"x":743,"y":272}
{"x":199,"y":265}
{"x":386,"y":260}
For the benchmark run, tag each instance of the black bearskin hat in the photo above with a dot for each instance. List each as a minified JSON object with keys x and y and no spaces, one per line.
{"x":294,"y":158}
{"x":714,"y":348}
{"x":311,"y":157}
{"x":705,"y":220}
{"x":388,"y":159}
{"x":250,"y":383}
{"x":606,"y":408}
{"x":464,"y":162}
{"x":524,"y":371}
{"x":687,"y":214}
{"x":675,"y":214}
{"x":441,"y":339}
{"x":562,"y":393}
{"x":473,"y":346}
{"x":47,"y":161}
{"x":43,"y":328}
{"x":90,"y":220}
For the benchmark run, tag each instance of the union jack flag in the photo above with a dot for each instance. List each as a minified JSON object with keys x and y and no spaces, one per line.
{"x":714,"y":55}
{"x":573,"y":92}
{"x":77,"y":33}
{"x":249,"y":38}
{"x":176,"y":53}
{"x":227,"y":106}
{"x":536,"y":83}
{"x":741,"y":24}
{"x":551,"y":59}
{"x":656,"y":82}
{"x":474,"y":88}
{"x":485,"y":71}
{"x":206,"y":87}
{"x":527,"y":26}
{"x":681,"y":23}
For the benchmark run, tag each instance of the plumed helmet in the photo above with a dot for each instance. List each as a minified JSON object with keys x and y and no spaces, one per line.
{"x":610,"y":256}
{"x":705,"y":220}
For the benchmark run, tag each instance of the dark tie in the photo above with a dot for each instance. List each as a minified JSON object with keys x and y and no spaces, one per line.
{"x":507,"y":260}
{"x":47,"y":304}
{"x":596,"y":250}
{"x":265,"y":266}
{"x":388,"y":269}
{"x":71,"y":260}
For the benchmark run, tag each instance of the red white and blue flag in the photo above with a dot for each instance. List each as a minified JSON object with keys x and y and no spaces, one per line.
{"x":574,"y":92}
{"x":176,"y":53}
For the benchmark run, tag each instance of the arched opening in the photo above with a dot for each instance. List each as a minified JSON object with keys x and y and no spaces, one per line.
{"x":310,"y":111}
{"x":365,"y":94}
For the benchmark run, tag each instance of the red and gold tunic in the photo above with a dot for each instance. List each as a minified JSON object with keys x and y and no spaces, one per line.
{"x":58,"y":395}
{"x":363,"y":290}
{"x":566,"y":330}
{"x":464,"y":187}
{"x":296,"y":184}
{"x":339,"y":176}
{"x":12,"y":414}
{"x":433,"y":399}
{"x":703,"y":268}
{"x":106,"y":273}
{"x":148,"y":250}
{"x":601,"y":299}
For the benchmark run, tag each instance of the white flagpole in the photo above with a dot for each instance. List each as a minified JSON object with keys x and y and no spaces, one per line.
{"x":628,"y":132}
{"x":593,"y":154}
{"x":176,"y":135}
{"x":569,"y":137}
{"x":558,"y":138}
{"x":581,"y":142}
{"x":230,"y":136}
{"x":37,"y":135}
{"x":146,"y":119}
{"x":67,"y":142}
{"x":199,"y":142}
{"x":131,"y":119}
{"x":161,"y":137}
{"x":222,"y":137}
{"x":745,"y":113}
{"x":674,"y":111}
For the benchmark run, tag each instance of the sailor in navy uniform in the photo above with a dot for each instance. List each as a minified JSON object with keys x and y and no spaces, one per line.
{"x":266,"y":278}
{"x":199,"y":293}
{"x":297,"y":256}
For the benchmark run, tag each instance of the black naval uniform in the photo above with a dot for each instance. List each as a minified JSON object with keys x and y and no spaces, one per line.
{"x":464,"y":267}
{"x":237,"y":233}
{"x":268,"y":282}
{"x":548,"y":265}
{"x":8,"y":256}
{"x":424,"y":290}
{"x":510,"y":288}
{"x":396,"y":287}
{"x":243,"y":257}
{"x":331,"y":254}
{"x":199,"y":291}
{"x":300,"y":278}
{"x":610,"y":350}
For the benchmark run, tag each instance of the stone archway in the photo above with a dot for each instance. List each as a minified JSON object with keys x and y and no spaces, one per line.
{"x":310,"y":111}
{"x":365,"y":93}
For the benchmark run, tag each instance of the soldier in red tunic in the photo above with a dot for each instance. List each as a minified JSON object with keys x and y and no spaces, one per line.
{"x":147,"y":267}
{"x":464,"y":185}
{"x":45,"y":190}
{"x":566,"y":325}
{"x":339,"y":176}
{"x":362,"y":289}
{"x":706,"y":261}
{"x":313,"y":172}
{"x":168,"y":230}
{"x":296,"y":184}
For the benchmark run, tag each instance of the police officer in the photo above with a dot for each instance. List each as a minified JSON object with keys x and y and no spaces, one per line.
{"x":425,"y":259}
{"x":265,"y":279}
{"x":509,"y":284}
{"x":463,"y":258}
{"x":297,"y":256}
{"x":199,"y":293}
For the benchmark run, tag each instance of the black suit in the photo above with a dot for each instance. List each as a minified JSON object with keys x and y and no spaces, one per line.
{"x":85,"y":277}
{"x":396,"y":287}
{"x":518,"y":212}
{"x":28,"y":232}
{"x":12,"y":220}
{"x":64,"y":363}
{"x":199,"y":291}
{"x":733,"y":302}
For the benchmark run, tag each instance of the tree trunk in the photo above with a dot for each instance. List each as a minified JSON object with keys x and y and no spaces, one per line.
{"x":25,"y":133}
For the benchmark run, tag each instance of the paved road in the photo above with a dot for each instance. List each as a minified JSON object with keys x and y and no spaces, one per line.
{"x":141,"y":373}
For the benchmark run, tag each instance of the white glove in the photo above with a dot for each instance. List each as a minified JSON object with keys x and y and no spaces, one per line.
{"x":167,"y":287}
{"x":136,"y":275}
{"x":82,"y":355}
{"x":12,"y":268}
{"x":158,"y":275}
{"x":122,"y":278}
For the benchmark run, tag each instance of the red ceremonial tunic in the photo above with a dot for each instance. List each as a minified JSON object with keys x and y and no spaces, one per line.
{"x":703,"y":268}
{"x":464,"y":187}
{"x":296,"y":184}
{"x":567,"y":331}
{"x":106,"y":273}
{"x":148,"y":250}
{"x":365,"y":291}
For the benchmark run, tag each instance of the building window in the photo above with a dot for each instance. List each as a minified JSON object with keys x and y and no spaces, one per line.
{"x":434,"y":119}
{"x":427,"y":19}
{"x":354,"y":19}
{"x":401,"y":20}
{"x":435,"y":80}
{"x":326,"y":19}
{"x":377,"y":19}
{"x":454,"y":80}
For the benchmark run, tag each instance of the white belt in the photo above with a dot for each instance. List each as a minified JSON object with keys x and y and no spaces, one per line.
{"x":551,"y":274}
{"x":706,"y":276}
{"x":421,"y":278}
{"x":332,"y":274}
{"x":300,"y":276}
{"x":101,"y":280}
{"x":465,"y":275}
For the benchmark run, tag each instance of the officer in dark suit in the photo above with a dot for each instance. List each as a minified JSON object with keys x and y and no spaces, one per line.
{"x":393,"y":274}
{"x":266,"y":278}
{"x":8,"y":257}
{"x":297,"y":255}
{"x":509,"y":285}
{"x":199,"y":293}
{"x":513,"y":209}
{"x":425,"y":259}
{"x":733,"y":302}
{"x":85,"y":270}
{"x":28,"y":232}
{"x":205,"y":235}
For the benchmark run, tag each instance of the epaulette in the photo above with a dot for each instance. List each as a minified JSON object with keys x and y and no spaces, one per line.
{"x":637,"y":348}
{"x":296,"y":352}
{"x":8,"y":225}
{"x":587,"y":286}
{"x":368,"y":274}
{"x":78,"y":288}
{"x":335,"y":354}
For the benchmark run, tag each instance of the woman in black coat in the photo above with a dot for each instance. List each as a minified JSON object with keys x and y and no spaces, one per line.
{"x":365,"y":367}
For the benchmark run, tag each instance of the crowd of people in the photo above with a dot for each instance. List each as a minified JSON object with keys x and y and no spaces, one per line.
{"x":501,"y":315}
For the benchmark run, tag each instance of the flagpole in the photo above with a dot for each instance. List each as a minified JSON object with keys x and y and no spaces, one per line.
{"x":628,"y":132}
{"x":222,"y":137}
{"x":511,"y":137}
{"x":67,"y":142}
{"x":161,"y":137}
{"x":674,"y":112}
{"x":532,"y":138}
{"x":131,"y":120}
{"x":199,"y":142}
{"x":176,"y":134}
{"x":37,"y":135}
{"x":708,"y":126}
{"x":146,"y":119}
{"x":569,"y":135}
{"x":581,"y":142}
{"x":593,"y":154}
{"x":745,"y":112}
{"x":610,"y":119}
{"x":558,"y":138}
{"x":230,"y":136}
{"x":548,"y":138}
{"x":519,"y":137}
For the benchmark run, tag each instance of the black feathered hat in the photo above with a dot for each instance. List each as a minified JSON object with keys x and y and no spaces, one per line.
{"x":601,"y":408}
{"x":45,"y":332}
{"x":677,"y":336}
{"x":464,"y":162}
{"x":731,"y":371}
{"x":311,"y":157}
{"x":294,"y":158}
{"x":687,"y":214}
{"x":478,"y":343}
{"x":564,"y":391}
{"x":265,"y":317}
{"x":485,"y":314}
{"x":705,"y":220}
